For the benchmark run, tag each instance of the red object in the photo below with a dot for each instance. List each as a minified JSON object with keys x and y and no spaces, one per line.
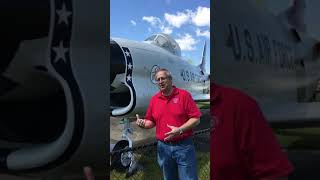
{"x":173,"y":110}
{"x":243,"y":146}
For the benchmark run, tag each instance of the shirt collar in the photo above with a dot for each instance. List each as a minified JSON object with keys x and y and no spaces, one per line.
{"x":175,"y":91}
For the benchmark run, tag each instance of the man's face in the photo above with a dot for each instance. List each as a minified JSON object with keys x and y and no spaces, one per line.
{"x":164,"y":82}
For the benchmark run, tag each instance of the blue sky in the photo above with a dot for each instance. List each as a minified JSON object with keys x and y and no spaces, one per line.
{"x":187,"y":21}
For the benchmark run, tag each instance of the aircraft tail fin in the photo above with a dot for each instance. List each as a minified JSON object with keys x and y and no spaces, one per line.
{"x":203,"y":58}
{"x":295,"y":15}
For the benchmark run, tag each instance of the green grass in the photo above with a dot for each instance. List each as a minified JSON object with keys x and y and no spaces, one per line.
{"x":203,"y":160}
{"x":300,"y":138}
{"x":151,"y":170}
{"x":203,"y":105}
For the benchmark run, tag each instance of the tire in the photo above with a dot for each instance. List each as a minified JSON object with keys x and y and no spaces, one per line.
{"x":121,"y":161}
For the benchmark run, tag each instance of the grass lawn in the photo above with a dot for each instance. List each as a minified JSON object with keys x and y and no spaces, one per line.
{"x":300,"y":138}
{"x":152,"y":171}
{"x":203,"y":105}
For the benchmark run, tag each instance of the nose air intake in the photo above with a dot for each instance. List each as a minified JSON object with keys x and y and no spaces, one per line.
{"x":122,"y":93}
{"x":118,"y":64}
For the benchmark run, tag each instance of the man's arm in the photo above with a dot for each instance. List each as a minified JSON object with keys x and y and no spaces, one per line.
{"x":191,"y":123}
{"x":193,"y":112}
{"x":259,"y":145}
{"x":144,"y":123}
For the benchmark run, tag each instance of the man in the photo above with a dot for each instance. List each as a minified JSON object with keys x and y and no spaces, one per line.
{"x":174,"y":113}
{"x":243,"y":146}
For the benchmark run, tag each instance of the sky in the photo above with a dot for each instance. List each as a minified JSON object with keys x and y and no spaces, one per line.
{"x":312,"y":13}
{"x":186,"y":21}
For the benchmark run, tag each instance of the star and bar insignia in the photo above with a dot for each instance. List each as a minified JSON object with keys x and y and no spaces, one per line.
{"x":61,"y":36}
{"x":129,"y":66}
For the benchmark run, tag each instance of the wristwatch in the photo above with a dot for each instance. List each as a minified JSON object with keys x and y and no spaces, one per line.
{"x":180,"y":131}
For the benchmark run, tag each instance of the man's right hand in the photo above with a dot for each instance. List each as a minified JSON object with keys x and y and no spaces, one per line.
{"x":140,"y":122}
{"x":88,"y":173}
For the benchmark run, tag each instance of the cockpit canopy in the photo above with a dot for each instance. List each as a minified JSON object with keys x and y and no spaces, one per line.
{"x":166,"y":42}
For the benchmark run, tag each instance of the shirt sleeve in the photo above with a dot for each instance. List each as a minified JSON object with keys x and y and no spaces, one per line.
{"x":191,"y":107}
{"x":258,"y":145}
{"x":149,"y":112}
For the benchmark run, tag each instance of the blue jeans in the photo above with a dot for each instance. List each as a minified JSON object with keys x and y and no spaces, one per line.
{"x":177,"y":161}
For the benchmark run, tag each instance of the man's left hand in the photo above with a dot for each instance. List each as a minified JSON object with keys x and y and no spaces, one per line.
{"x":174,"y":132}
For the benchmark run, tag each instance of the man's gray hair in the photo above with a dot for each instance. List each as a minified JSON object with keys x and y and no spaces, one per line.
{"x":165,"y":70}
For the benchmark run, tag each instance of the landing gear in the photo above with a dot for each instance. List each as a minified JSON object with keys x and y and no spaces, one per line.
{"x":121,"y":161}
{"x":124,"y":160}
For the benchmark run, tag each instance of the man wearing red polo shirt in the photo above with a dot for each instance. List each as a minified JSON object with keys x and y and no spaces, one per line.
{"x":242,"y":145}
{"x":174,"y":113}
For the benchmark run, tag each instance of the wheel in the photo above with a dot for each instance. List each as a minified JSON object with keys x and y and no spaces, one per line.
{"x":121,"y":161}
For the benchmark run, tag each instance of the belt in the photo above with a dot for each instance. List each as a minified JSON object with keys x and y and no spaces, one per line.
{"x":175,"y":142}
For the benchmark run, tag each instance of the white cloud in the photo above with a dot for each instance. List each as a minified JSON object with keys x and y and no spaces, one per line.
{"x":205,"y":33}
{"x":187,"y":43}
{"x":152,"y":20}
{"x":133,"y":22}
{"x":166,"y":30}
{"x":178,"y":19}
{"x":157,"y":24}
{"x":201,"y":17}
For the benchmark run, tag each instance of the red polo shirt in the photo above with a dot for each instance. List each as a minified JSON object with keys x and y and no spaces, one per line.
{"x":243,"y":146}
{"x":174,"y":110}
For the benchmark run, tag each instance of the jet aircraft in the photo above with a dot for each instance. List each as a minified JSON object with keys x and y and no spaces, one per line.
{"x":133,"y":67}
